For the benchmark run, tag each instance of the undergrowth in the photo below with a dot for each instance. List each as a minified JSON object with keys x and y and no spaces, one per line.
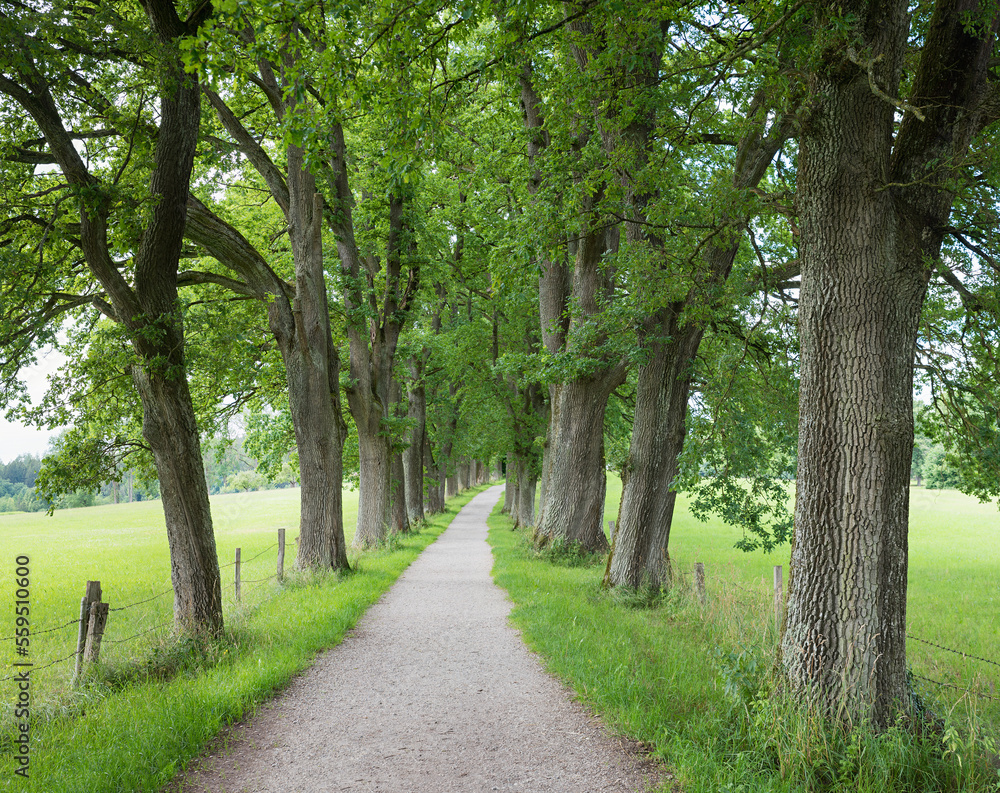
{"x":132,"y":726}
{"x":696,"y":682}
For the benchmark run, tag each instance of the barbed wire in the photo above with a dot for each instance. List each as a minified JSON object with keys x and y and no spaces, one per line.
{"x":141,"y":633}
{"x":259,"y":580}
{"x":140,"y":602}
{"x":270,"y":547}
{"x":46,"y":630}
{"x":952,"y":650}
{"x":957,"y":688}
{"x":34,"y":669}
{"x":247,"y":561}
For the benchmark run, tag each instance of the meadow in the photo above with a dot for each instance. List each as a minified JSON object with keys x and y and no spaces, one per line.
{"x":657,"y":673}
{"x":124,"y":547}
{"x":155,"y":702}
{"x":692,"y":681}
{"x":953,"y":594}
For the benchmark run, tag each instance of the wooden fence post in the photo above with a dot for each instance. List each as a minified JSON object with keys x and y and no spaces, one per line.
{"x":95,"y":631}
{"x":699,"y":581}
{"x":92,"y":595}
{"x":778,"y":600}
{"x":237,"y":575}
{"x":281,"y":555}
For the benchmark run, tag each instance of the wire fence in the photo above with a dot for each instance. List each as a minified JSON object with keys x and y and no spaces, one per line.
{"x":778,"y":601}
{"x":234,"y":595}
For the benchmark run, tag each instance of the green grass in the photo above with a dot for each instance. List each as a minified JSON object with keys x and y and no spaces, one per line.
{"x":661,"y":674}
{"x":953,"y":595}
{"x":128,"y":731}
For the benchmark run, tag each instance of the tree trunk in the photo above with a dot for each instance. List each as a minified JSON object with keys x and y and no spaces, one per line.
{"x":413,"y":454}
{"x":374,"y":496}
{"x":510,"y":488}
{"x":526,"y":481}
{"x":639,"y":553}
{"x":872,"y":218}
{"x":398,"y":521}
{"x":577,"y":480}
{"x":151,"y":314}
{"x":464,"y":474}
{"x":312,"y":369}
{"x":372,"y":338}
{"x":435,"y":492}
{"x":844,"y":643}
{"x":170,"y":428}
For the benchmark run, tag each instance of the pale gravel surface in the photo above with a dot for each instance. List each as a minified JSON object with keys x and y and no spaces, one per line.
{"x":433,"y":691}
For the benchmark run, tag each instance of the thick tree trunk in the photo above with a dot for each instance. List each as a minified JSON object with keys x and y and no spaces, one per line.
{"x":435,"y":493}
{"x":398,"y":521}
{"x":464,"y":474}
{"x":639,"y":555}
{"x":170,"y":428}
{"x":525,"y":492}
{"x":413,"y":454}
{"x":872,"y":220}
{"x":312,"y":369}
{"x":510,"y":488}
{"x":374,"y":496}
{"x":844,"y":643}
{"x":543,"y":479}
{"x":577,"y":479}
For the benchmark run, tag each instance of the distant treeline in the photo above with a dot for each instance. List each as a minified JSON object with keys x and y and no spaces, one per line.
{"x":228,"y":469}
{"x":17,"y":480}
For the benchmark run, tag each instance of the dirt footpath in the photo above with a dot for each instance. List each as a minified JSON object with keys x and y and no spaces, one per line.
{"x":433,"y":691}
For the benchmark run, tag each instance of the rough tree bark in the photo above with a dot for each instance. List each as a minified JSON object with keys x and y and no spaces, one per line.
{"x":640,"y":552}
{"x":298,"y":317}
{"x":372,"y":338}
{"x":149,"y":308}
{"x":510,"y":487}
{"x":434,"y":481}
{"x":573,"y":472}
{"x":873,"y":207}
{"x":413,"y":454}
{"x":313,"y":375}
{"x":399,"y":521}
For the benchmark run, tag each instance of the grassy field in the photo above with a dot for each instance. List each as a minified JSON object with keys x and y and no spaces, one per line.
{"x":953,"y":592}
{"x":136,"y":722}
{"x":124,"y":546}
{"x":687,"y":678}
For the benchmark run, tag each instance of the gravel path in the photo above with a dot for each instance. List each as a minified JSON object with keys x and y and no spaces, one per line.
{"x":432,"y":691}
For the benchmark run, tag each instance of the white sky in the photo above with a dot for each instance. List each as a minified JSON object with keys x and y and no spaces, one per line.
{"x":17,"y":439}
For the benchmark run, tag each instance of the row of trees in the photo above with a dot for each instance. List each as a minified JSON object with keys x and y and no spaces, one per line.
{"x":681,"y":238}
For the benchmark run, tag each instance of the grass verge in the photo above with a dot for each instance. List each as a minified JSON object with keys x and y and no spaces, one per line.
{"x":695,"y":683}
{"x":133,"y":728}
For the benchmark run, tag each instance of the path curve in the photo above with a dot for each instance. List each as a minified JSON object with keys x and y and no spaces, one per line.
{"x":433,"y":692}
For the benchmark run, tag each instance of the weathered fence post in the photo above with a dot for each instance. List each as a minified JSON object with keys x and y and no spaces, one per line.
{"x":237,"y":575}
{"x":92,"y":595}
{"x":281,"y":555}
{"x":95,"y":631}
{"x":778,"y":600}
{"x":699,"y":581}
